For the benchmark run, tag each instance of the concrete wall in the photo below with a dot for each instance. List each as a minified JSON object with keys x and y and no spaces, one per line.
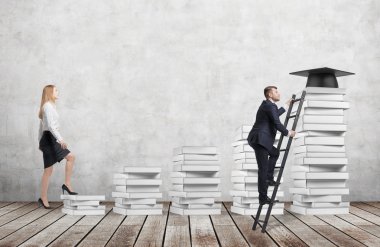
{"x":138,"y":78}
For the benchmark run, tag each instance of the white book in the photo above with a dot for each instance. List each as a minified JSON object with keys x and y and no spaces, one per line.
{"x":83,"y":212}
{"x":325,"y":183}
{"x":320,"y":127}
{"x":126,"y":201}
{"x":241,"y":136}
{"x":99,"y":207}
{"x":198,"y":157}
{"x":324,"y":97}
{"x":203,"y":211}
{"x":320,"y":133}
{"x":195,"y":194}
{"x":245,"y":200}
{"x":243,"y":148}
{"x":136,"y":175}
{"x":244,"y":128}
{"x":137,"y":169}
{"x":319,"y":140}
{"x":322,"y":204}
{"x":328,"y":104}
{"x":251,"y":211}
{"x":240,"y":143}
{"x":319,"y":119}
{"x":194,"y":174}
{"x":319,"y":191}
{"x":83,"y":197}
{"x":321,"y":161}
{"x":322,"y":90}
{"x":125,"y":211}
{"x":139,"y":206}
{"x":197,"y":162}
{"x":322,"y":111}
{"x":137,"y":188}
{"x":256,"y":205}
{"x":195,"y":187}
{"x":137,"y":182}
{"x":195,"y":200}
{"x":251,"y":180}
{"x":246,"y":166}
{"x":80,"y":203}
{"x":240,"y":173}
{"x":247,"y":187}
{"x":242,"y":161}
{"x":319,"y":149}
{"x":317,"y":198}
{"x":196,"y":206}
{"x":254,"y":193}
{"x":197,"y":181}
{"x":195,"y":150}
{"x":320,"y":155}
{"x":318,"y":211}
{"x":245,"y":155}
{"x":315,"y":168}
{"x":194,"y":168}
{"x":319,"y":175}
{"x":137,"y":195}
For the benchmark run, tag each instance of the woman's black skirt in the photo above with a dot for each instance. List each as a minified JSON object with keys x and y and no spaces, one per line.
{"x":51,"y":149}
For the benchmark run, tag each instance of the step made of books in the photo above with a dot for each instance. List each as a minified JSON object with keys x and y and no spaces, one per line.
{"x":195,"y":181}
{"x":83,"y":204}
{"x":319,"y":169}
{"x":244,"y":177}
{"x":136,"y":191}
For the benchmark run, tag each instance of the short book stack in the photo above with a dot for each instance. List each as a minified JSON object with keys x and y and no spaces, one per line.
{"x":83,"y":204}
{"x":137,"y":190}
{"x":244,"y":178}
{"x":319,"y":171}
{"x":195,"y":181}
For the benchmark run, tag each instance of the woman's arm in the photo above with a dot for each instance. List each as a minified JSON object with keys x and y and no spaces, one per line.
{"x":52,"y":122}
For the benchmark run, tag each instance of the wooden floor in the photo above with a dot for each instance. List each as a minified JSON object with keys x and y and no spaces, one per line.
{"x":23,"y":223}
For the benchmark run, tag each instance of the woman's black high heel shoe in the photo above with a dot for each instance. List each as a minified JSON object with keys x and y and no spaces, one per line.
{"x":41,"y":203}
{"x":64,"y":188}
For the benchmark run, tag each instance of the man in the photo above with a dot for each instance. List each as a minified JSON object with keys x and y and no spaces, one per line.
{"x":262,"y":137}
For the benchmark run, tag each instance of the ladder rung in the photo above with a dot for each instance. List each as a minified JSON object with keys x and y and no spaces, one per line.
{"x":296,"y":100}
{"x":282,"y":150}
{"x":293,"y":116}
{"x":277,"y":167}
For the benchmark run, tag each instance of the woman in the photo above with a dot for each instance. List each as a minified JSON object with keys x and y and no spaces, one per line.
{"x":52,"y":145}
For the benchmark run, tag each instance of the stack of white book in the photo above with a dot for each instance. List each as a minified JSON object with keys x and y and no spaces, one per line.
{"x":319,"y":171}
{"x":83,"y":204}
{"x":244,"y":178}
{"x":195,"y":181}
{"x":137,"y":190}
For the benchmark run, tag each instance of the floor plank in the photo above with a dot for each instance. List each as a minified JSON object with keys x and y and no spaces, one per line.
{"x":11,"y":207}
{"x":202,"y":232}
{"x":49,"y":234}
{"x":374,"y":204}
{"x":152,"y":233}
{"x":366,"y":207}
{"x":226,"y":230}
{"x":79,"y":230}
{"x":351,"y":230}
{"x":17,"y":213}
{"x":361,"y":223}
{"x":128,"y":231}
{"x":303,"y":231}
{"x":28,"y":231}
{"x":177,"y":231}
{"x":328,"y":231}
{"x":365,"y":215}
{"x":3,"y":204}
{"x":100,"y":235}
{"x":24,"y":220}
{"x":244,"y":224}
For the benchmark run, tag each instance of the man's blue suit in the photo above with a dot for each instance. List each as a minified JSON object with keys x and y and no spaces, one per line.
{"x":261,"y":139}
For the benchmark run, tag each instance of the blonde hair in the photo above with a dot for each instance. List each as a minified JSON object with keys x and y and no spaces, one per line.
{"x":47,"y":95}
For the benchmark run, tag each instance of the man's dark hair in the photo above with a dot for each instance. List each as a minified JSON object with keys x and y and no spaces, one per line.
{"x":267,"y":90}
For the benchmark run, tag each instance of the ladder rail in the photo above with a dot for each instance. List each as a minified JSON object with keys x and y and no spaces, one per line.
{"x":283,"y":162}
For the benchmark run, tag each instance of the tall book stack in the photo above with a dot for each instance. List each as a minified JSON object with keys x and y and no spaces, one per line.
{"x":319,"y":171}
{"x":195,"y":181}
{"x":83,"y":205}
{"x":137,"y":190}
{"x":245,"y":177}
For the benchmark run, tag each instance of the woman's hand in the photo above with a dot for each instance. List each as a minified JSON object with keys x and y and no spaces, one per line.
{"x":63,"y":144}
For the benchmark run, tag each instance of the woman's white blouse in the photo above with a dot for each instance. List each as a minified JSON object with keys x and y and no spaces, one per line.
{"x":50,"y":121}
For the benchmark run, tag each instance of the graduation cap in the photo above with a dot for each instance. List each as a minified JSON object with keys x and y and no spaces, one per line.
{"x":322,"y":77}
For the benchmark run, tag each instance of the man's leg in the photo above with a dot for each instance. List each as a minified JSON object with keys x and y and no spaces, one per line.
{"x":273,"y":157}
{"x":262,"y":163}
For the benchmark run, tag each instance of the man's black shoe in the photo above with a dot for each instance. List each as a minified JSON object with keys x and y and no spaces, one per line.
{"x":267,"y":201}
{"x":272,"y":183}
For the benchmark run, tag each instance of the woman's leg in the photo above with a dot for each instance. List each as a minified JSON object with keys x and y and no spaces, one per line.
{"x":70,"y":158}
{"x":45,"y":184}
